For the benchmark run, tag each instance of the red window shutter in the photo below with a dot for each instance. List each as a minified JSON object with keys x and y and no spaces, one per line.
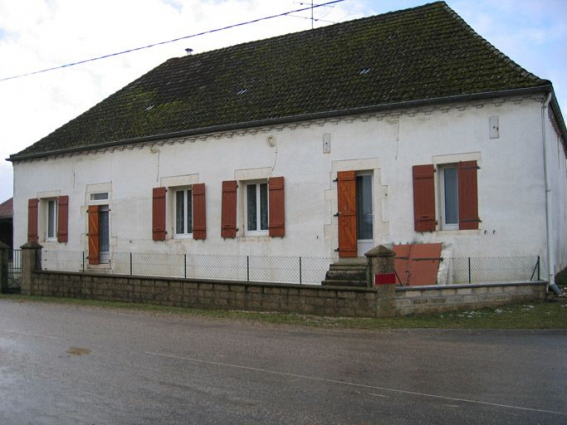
{"x":276,"y":207}
{"x":158,"y":214}
{"x":228,"y":219}
{"x":468,"y":195}
{"x":32,"y":220}
{"x":348,"y":244}
{"x":63,"y":219}
{"x":199,"y":212}
{"x":94,"y":244}
{"x":424,"y":198}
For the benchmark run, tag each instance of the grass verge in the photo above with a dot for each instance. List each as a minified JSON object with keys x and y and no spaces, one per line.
{"x":551,"y":314}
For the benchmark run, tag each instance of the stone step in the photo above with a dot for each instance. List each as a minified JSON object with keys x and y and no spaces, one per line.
{"x":348,"y":283}
{"x":348,"y":266}
{"x":346,"y":274}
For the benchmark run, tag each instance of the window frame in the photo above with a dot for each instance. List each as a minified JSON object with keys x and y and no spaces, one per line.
{"x":257,"y":184}
{"x":442,"y":198}
{"x":187,"y":194}
{"x":49,"y":218}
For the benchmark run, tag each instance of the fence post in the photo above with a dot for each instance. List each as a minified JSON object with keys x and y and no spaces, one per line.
{"x":538,"y":263}
{"x":247,"y":268}
{"x":185,"y":265}
{"x":130,"y":264}
{"x":4,"y":254}
{"x":300,"y":276}
{"x":469,"y":270}
{"x":31,"y":262}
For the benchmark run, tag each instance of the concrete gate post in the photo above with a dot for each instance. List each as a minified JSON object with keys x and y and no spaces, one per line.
{"x":4,"y":259}
{"x":382,"y":275}
{"x":31,"y":262}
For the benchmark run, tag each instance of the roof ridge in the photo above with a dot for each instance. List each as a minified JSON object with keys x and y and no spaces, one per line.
{"x":194,"y":56}
{"x":491,"y":47}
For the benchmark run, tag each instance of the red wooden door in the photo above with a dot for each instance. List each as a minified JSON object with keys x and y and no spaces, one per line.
{"x":347,"y":213}
{"x":94,"y":242}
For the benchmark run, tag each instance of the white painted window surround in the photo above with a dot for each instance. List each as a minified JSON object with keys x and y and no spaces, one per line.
{"x":449,"y":196}
{"x":51,"y":220}
{"x":183,"y":212}
{"x":256,"y":208}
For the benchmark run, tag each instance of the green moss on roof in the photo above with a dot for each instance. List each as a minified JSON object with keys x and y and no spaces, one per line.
{"x":427,"y":52}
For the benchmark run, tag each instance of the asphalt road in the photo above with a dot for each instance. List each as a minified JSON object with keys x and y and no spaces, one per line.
{"x":62,"y":364}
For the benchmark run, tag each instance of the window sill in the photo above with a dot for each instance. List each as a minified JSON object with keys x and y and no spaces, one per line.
{"x":254,"y":238}
{"x":183,"y":237}
{"x":50,"y":243}
{"x":176,"y":241}
{"x":458,"y":232}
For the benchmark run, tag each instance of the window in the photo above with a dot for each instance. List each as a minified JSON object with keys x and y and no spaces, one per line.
{"x":103,"y":196}
{"x":456,"y":196}
{"x":257,"y":208}
{"x":183,"y":213}
{"x":449,"y":191}
{"x":48,"y":219}
{"x":261,"y":205}
{"x":179,"y":211}
{"x":51,"y":216}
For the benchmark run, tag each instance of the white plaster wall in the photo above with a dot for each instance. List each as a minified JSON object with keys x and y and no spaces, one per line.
{"x":558,"y":194}
{"x":510,"y":181}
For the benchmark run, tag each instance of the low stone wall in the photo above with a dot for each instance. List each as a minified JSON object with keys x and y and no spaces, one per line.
{"x":436,"y":299}
{"x":308,"y":299}
{"x":383,"y":300}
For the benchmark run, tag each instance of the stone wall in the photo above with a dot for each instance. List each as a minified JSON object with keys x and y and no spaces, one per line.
{"x":308,"y":299}
{"x":436,"y":299}
{"x":382,"y":300}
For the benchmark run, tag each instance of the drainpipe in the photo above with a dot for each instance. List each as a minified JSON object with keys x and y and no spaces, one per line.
{"x":548,"y":218}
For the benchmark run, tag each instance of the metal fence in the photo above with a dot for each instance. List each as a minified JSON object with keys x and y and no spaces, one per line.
{"x":275,"y":269}
{"x":298,"y":270}
{"x":13,"y":272}
{"x":470,"y":270}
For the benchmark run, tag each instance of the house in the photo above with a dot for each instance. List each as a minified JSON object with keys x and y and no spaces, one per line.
{"x":406,"y":127}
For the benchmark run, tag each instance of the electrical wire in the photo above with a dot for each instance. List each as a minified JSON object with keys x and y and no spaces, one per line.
{"x":161,"y":43}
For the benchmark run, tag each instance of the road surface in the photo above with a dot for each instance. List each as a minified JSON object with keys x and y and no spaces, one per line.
{"x":64,"y":364}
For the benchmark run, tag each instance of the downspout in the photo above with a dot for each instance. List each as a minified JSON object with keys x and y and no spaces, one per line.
{"x":548,"y":218}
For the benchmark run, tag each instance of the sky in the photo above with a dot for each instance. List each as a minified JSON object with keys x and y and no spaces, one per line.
{"x":40,"y":34}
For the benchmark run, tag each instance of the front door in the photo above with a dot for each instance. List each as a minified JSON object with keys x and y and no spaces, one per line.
{"x":364,"y":213}
{"x":99,"y":235}
{"x":355,"y":213}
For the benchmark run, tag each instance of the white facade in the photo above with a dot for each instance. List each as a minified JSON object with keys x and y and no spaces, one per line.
{"x":511,"y":183}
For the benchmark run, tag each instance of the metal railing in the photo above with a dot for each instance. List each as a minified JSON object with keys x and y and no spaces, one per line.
{"x":298,"y":270}
{"x":13,"y":270}
{"x":248,"y":268}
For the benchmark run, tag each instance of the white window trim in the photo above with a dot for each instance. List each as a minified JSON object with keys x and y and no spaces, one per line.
{"x":441,"y":171}
{"x":55,"y":219}
{"x":174,"y":191}
{"x":258,"y":207}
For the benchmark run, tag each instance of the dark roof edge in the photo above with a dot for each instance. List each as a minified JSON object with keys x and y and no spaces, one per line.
{"x":307,"y":117}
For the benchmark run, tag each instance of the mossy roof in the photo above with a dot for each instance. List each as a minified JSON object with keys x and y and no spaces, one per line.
{"x":423,"y":53}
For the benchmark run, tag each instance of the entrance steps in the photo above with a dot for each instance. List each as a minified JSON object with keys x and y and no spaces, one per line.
{"x":348,"y":272}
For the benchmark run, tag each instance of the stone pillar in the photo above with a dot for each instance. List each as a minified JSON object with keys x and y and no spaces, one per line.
{"x":4,"y":259}
{"x":381,"y":262}
{"x":31,"y":261}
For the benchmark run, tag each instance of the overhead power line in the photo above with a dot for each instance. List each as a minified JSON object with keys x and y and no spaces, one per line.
{"x":265,"y":18}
